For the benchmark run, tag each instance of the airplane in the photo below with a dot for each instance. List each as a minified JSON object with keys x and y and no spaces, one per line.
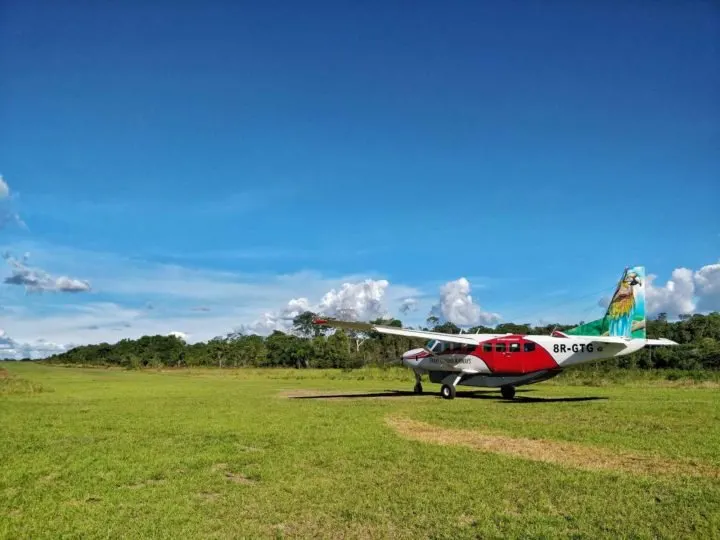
{"x":511,"y":360}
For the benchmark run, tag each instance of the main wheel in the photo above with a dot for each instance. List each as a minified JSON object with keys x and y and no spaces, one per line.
{"x":447,"y":391}
{"x":418,"y":388}
{"x":508,"y":392}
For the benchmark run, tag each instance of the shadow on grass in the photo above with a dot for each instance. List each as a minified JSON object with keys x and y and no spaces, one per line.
{"x":477,"y":394}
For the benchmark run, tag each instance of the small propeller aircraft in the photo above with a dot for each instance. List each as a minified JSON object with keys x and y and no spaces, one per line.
{"x":511,"y":360}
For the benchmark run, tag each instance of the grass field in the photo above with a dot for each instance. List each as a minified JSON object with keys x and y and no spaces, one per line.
{"x":269,"y":454}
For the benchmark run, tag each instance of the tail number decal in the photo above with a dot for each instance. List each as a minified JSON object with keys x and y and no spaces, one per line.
{"x":575,"y":347}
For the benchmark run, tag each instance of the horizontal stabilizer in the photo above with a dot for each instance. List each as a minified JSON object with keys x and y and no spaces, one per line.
{"x":625,"y":341}
{"x":660,"y":341}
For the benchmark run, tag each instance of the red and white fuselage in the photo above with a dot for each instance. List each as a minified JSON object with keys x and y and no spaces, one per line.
{"x":501,"y":359}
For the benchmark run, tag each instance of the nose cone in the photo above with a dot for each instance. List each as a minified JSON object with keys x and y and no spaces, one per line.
{"x":414,"y":355}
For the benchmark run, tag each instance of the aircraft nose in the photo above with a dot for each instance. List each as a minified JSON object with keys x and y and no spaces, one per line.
{"x":414,"y":354}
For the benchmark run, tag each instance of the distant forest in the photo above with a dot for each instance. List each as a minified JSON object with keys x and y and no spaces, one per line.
{"x":308,"y":345}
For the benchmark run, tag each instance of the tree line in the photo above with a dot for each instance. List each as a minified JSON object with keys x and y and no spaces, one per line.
{"x":309,"y":345}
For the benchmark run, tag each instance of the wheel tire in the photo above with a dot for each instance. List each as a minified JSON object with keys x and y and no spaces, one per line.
{"x":447,"y":391}
{"x":418,"y":388}
{"x":508,"y":392}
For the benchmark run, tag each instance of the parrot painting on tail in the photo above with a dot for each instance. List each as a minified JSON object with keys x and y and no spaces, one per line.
{"x":621,"y":310}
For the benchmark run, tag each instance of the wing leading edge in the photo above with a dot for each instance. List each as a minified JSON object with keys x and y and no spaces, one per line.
{"x":392,"y":330}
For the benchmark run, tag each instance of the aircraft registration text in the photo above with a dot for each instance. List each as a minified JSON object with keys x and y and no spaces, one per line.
{"x":575,"y":347}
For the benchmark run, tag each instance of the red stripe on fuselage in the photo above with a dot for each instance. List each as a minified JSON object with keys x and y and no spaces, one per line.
{"x":515,"y":363}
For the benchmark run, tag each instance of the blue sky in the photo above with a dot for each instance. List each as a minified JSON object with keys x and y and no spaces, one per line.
{"x":534,"y":149}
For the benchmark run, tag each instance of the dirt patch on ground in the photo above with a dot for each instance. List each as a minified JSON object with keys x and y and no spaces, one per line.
{"x":146,"y":483}
{"x":561,"y":453}
{"x":4,"y":373}
{"x":235,"y":477}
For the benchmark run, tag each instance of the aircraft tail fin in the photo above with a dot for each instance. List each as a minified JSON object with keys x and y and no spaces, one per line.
{"x":625,"y":314}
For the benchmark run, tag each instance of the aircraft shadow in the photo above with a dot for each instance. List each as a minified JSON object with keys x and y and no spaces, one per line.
{"x":386,"y":394}
{"x":478,"y":394}
{"x":495,"y":395}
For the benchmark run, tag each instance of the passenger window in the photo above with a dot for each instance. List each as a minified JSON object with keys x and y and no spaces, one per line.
{"x":499,"y":347}
{"x":514,"y":347}
{"x":528,"y":347}
{"x":470,"y":349}
{"x":487,"y":347}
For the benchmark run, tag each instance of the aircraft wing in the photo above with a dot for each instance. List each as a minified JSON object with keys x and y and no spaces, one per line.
{"x":392,"y":330}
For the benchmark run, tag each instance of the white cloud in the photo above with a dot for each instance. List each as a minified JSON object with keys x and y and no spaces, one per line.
{"x":707,"y":283}
{"x":687,"y":291}
{"x":673,"y":298}
{"x":457,"y":306}
{"x":37,"y":280}
{"x":351,"y":301}
{"x":282,"y":321}
{"x":4,"y":188}
{"x":408,"y":305}
{"x":180,"y":335}
{"x":66,"y":284}
{"x":12,"y":349}
{"x":200,"y":302}
{"x":7,"y":213}
{"x":295,"y":307}
{"x":355,"y":301}
{"x":98,"y":322}
{"x":265,"y":325}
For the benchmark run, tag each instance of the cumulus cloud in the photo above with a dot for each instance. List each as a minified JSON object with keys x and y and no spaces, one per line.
{"x":282,"y":320}
{"x":352,"y":301}
{"x":14,"y":350}
{"x":355,"y":301}
{"x":408,"y":305}
{"x":707,"y":283}
{"x":456,"y":306}
{"x":675,"y":297}
{"x":265,"y":325}
{"x":37,"y":280}
{"x":365,"y":300}
{"x":295,"y":307}
{"x":179,"y":335}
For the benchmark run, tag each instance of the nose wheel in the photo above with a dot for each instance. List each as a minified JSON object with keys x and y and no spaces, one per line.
{"x":508,"y":392}
{"x":418,"y":383}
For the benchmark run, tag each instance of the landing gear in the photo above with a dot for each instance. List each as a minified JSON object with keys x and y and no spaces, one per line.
{"x":508,"y":392}
{"x":418,"y":383}
{"x":447,"y":391}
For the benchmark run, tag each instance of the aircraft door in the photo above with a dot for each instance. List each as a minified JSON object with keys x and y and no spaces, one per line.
{"x":507,"y":356}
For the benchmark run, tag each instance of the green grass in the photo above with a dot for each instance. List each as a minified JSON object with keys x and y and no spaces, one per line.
{"x":218,"y":454}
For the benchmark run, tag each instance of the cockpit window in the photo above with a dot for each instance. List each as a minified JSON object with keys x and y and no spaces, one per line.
{"x":432,"y":345}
